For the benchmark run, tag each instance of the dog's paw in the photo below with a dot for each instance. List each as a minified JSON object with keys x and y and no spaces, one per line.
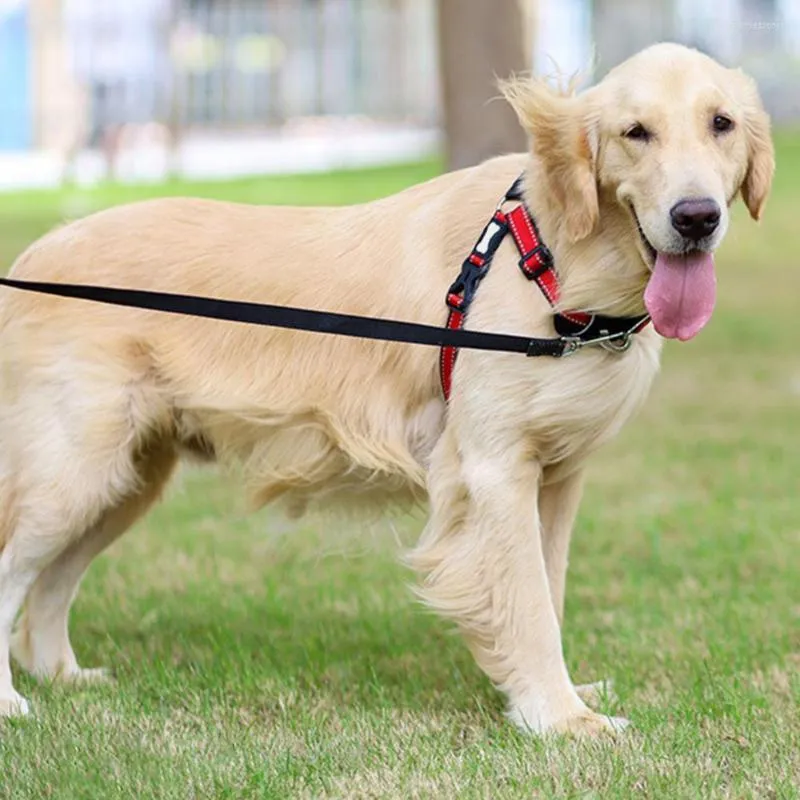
{"x":21,"y":650}
{"x":597,"y":693}
{"x":78,"y":675}
{"x":581,"y":722}
{"x":591,"y":726}
{"x":14,"y":705}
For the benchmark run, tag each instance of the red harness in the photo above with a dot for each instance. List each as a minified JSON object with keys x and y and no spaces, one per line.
{"x":536,"y":263}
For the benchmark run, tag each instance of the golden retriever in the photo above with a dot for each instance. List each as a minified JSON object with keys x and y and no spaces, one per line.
{"x":631,"y":183}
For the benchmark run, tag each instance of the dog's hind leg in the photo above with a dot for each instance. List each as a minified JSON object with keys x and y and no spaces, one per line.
{"x":41,"y":642}
{"x":70,"y":457}
{"x":42,"y":532}
{"x":11,"y":596}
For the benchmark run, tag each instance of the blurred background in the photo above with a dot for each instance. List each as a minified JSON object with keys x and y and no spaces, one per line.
{"x":140,"y":90}
{"x":291,"y":668}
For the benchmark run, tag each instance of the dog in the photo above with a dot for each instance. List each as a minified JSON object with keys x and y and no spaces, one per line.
{"x":630,"y":182}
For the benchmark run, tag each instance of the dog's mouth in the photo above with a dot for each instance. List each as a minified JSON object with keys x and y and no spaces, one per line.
{"x":681,"y":291}
{"x":649,"y":253}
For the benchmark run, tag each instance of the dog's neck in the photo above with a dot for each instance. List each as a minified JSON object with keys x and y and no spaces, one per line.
{"x":603,"y":273}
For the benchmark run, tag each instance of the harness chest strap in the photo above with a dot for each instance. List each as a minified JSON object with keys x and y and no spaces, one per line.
{"x":536,"y":264}
{"x":536,"y":261}
{"x":462,"y":292}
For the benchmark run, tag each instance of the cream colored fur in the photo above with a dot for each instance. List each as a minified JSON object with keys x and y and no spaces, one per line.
{"x":98,"y":403}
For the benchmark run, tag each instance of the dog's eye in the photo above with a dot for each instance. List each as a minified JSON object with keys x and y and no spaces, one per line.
{"x":638,"y":132}
{"x":722,"y":124}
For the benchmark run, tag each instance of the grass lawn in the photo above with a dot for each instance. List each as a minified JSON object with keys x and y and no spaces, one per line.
{"x":258,"y":658}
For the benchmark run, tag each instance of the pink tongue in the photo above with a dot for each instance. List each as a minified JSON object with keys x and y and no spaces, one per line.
{"x":681,"y":293}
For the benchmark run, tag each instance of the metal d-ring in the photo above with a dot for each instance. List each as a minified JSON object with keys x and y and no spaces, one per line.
{"x":617,"y":345}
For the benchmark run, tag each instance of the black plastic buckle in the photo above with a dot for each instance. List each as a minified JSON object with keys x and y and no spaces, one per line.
{"x":465,"y":285}
{"x":545,"y":257}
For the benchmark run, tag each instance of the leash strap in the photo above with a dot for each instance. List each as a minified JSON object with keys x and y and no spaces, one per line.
{"x":300,"y":319}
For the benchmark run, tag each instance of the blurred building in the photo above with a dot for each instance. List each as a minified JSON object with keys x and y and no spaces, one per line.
{"x":221,"y":69}
{"x":15,"y":79}
{"x":762,"y":36}
{"x":226,"y":63}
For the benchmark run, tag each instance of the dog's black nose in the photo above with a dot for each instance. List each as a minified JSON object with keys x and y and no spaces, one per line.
{"x":695,"y":219}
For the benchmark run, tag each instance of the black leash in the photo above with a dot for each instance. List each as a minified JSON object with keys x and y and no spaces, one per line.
{"x":575,"y":329}
{"x":303,"y":319}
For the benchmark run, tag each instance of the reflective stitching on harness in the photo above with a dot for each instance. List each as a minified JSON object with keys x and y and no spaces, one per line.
{"x":529,"y":224}
{"x":447,"y":357}
{"x":545,"y":280}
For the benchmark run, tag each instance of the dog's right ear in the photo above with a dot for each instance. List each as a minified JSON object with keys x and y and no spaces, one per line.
{"x":565,"y":143}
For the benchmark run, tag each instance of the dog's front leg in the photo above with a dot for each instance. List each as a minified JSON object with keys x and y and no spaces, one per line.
{"x":484,"y":567}
{"x":559,"y":498}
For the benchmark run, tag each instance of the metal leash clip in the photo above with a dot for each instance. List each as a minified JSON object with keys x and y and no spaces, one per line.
{"x":571,"y":345}
{"x":613,"y":342}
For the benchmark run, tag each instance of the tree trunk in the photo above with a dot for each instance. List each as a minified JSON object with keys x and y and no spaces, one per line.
{"x":479,"y":42}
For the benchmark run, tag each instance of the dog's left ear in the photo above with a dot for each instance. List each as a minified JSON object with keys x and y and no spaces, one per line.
{"x":760,"y":149}
{"x":564,"y":142}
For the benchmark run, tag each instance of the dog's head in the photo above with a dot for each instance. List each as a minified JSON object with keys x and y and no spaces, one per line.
{"x":669,"y":138}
